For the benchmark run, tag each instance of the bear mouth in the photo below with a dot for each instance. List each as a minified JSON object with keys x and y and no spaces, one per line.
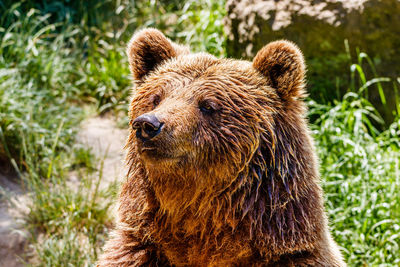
{"x":159,"y":154}
{"x":153,"y":151}
{"x":147,"y":149}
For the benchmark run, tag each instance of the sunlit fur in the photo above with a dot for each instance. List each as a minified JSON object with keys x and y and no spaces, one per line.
{"x":234,"y":187}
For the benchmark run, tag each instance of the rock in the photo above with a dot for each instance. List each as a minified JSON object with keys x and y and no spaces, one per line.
{"x":13,"y":238}
{"x":319,"y":27}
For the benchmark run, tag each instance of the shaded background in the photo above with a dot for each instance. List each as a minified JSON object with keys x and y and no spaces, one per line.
{"x":64,"y":94}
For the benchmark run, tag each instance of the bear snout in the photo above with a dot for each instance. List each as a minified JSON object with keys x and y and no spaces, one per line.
{"x":147,"y":126}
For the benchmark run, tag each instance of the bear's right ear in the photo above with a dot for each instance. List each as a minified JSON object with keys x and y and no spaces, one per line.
{"x":147,"y":49}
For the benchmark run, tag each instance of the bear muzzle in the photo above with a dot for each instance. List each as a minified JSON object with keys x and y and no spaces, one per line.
{"x":147,"y":126}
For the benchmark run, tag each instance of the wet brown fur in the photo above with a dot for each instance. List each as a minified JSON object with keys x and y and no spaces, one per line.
{"x":237,"y":187}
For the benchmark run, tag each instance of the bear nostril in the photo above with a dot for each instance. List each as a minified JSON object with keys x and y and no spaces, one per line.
{"x":147,"y":126}
{"x":136,"y":125}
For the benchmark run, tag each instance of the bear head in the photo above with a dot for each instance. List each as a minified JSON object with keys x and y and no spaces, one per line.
{"x":212,"y":124}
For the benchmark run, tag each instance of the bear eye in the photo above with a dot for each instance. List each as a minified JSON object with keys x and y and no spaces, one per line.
{"x":206,"y":108}
{"x":155,"y":99}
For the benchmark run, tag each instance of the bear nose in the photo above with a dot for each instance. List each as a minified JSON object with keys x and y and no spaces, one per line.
{"x":147,"y":126}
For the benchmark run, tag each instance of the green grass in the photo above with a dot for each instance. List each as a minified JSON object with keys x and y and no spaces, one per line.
{"x":361,"y":179}
{"x":44,"y":81}
{"x":57,"y":57}
{"x":35,"y":84}
{"x":68,"y":221}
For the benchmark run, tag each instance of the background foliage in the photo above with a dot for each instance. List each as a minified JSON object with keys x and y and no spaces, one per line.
{"x":60,"y":58}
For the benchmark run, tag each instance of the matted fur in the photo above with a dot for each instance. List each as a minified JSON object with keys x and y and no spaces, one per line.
{"x":232,"y":179}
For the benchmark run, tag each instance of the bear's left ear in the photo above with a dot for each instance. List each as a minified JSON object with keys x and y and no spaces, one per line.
{"x":149,"y":48}
{"x":282,"y":63}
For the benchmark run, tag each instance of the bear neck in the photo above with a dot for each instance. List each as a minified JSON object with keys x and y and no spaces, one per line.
{"x":281,"y":198}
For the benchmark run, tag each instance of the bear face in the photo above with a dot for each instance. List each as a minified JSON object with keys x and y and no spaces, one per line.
{"x":201,"y":123}
{"x":199,"y":116}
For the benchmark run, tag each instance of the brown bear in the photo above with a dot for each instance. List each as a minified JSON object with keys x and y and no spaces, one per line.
{"x":222,"y":167}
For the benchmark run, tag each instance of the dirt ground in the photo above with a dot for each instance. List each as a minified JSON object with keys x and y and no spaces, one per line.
{"x":107,"y":142}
